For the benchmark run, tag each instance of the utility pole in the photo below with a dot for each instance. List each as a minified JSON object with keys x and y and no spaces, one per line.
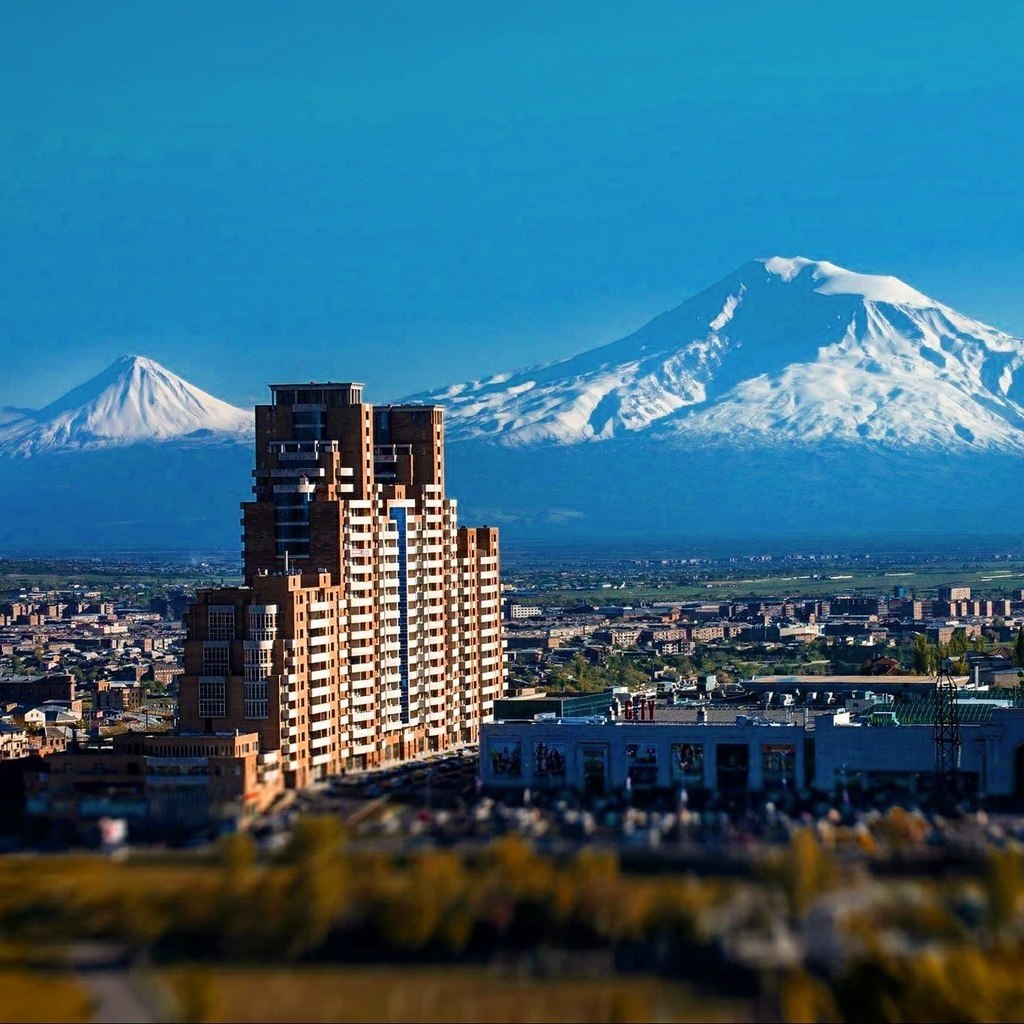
{"x":947,"y":737}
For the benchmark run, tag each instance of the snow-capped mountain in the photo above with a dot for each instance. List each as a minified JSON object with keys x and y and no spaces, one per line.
{"x":782,"y":350}
{"x":134,"y":400}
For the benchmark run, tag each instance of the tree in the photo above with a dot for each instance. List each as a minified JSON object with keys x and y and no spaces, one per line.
{"x":957,"y":643}
{"x":1018,"y":648}
{"x":319,"y":887}
{"x":579,"y":667}
{"x":925,"y":656}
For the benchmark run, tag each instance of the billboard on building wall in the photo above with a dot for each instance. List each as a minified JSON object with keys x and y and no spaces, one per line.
{"x":778,"y":761}
{"x":549,"y":759}
{"x":642,"y":764}
{"x":506,"y":758}
{"x":688,"y":763}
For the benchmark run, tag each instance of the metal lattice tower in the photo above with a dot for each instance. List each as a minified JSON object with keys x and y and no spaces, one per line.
{"x":947,"y":735}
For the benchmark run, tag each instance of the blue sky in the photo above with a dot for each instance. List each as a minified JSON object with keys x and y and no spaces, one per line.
{"x":412,"y":193}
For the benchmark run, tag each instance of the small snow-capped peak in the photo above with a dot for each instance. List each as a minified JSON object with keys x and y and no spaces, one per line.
{"x":134,"y":400}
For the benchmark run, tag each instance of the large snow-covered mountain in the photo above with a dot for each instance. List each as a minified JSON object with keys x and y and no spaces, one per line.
{"x":133,"y":401}
{"x":783,"y":350}
{"x":793,"y":399}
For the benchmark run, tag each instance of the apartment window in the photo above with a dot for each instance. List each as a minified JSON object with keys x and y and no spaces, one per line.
{"x":216,"y":658}
{"x":212,"y":697}
{"x":220,"y":622}
{"x":255,"y":700}
{"x":262,"y":621}
{"x":259,"y":664}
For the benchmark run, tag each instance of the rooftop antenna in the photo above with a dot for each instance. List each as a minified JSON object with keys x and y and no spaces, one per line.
{"x":947,"y":736}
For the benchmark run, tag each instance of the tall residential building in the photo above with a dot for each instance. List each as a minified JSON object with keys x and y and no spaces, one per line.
{"x":368,"y":628}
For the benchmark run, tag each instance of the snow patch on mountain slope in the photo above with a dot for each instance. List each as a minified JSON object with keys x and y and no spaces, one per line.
{"x":134,"y":400}
{"x":727,"y":310}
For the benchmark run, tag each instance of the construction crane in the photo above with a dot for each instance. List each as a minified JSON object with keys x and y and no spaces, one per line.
{"x":947,"y":737}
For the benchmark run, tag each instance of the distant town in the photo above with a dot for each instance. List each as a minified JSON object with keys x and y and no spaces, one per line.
{"x":91,"y":658}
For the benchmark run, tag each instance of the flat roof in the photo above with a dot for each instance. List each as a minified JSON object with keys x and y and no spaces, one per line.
{"x":319,"y":384}
{"x":866,"y":682}
{"x":727,"y":715}
{"x":798,"y":718}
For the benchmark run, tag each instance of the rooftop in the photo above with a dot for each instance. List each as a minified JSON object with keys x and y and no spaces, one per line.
{"x":324,"y":385}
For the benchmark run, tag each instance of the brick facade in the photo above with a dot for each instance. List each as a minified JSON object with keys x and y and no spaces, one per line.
{"x":368,"y":629}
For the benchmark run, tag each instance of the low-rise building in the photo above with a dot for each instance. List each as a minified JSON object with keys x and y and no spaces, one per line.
{"x":741,"y":750}
{"x":159,"y":783}
{"x":37,"y":689}
{"x":13,"y":742}
{"x":118,"y":695}
{"x":49,"y":715}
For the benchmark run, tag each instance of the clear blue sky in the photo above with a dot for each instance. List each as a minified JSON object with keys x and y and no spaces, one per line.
{"x":415,"y":193}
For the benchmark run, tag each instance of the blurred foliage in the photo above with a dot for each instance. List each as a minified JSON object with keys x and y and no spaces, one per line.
{"x":196,"y":995}
{"x":28,"y":995}
{"x":955,"y":983}
{"x":905,"y":948}
{"x":803,"y":871}
{"x":317,"y":895}
{"x":804,"y":998}
{"x":1002,"y":889}
{"x":417,"y":993}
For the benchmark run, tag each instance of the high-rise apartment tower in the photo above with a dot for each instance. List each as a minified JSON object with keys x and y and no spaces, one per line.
{"x":368,"y":628}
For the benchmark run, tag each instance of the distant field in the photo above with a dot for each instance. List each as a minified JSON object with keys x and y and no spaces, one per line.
{"x":16,"y":576}
{"x":409,"y":994}
{"x":986,"y":580}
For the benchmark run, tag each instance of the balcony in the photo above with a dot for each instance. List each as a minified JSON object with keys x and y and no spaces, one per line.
{"x":292,"y":472}
{"x":297,"y":488}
